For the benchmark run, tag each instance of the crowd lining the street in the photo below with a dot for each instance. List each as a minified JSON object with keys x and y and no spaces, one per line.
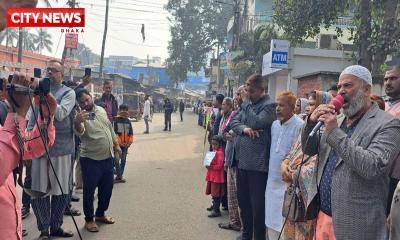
{"x":278,"y":182}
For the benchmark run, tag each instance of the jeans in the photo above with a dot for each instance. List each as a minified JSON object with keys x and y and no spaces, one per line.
{"x":120,"y":162}
{"x":251,"y":198}
{"x":167,"y":118}
{"x":181,"y":113}
{"x":96,"y":174}
{"x":146,"y":121}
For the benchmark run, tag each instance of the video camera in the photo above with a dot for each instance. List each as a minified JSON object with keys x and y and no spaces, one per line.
{"x":42,"y":89}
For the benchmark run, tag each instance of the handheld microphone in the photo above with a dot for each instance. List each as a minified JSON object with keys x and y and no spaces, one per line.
{"x":338,"y":102}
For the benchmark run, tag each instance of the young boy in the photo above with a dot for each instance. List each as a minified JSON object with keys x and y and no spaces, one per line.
{"x":124,"y":131}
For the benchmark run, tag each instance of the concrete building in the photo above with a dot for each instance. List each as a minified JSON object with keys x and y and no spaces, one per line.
{"x":303,"y":63}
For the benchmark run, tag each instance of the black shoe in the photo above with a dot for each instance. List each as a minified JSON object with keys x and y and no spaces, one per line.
{"x":210,"y":208}
{"x":74,"y":198}
{"x":61,"y":233}
{"x":24,"y":233}
{"x":72,"y":211}
{"x":214,"y":214}
{"x":165,"y":129}
{"x":225,"y":208}
{"x":44,"y":236}
{"x":145,"y":132}
{"x":170,"y":129}
{"x":25,"y":212}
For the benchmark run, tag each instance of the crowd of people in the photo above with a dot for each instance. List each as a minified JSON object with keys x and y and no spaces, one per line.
{"x":91,"y":135}
{"x":281,"y":181}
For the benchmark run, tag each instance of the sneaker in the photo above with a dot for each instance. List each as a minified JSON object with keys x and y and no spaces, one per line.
{"x":61,"y":233}
{"x":72,"y":212}
{"x":210,"y":208}
{"x":44,"y":236}
{"x":25,"y":212}
{"x":214,"y":214}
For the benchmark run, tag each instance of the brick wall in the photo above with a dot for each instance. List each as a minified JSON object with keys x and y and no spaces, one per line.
{"x":29,"y":59}
{"x":308,"y":84}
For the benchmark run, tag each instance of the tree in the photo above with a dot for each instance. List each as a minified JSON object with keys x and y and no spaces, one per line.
{"x":43,"y":40}
{"x":86,"y":55}
{"x":9,"y":35}
{"x":197,"y":26}
{"x":375,"y":27}
{"x":27,"y":41}
{"x":254,"y":45}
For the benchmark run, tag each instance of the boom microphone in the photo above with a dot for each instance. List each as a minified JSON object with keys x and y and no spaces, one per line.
{"x":338,"y":102}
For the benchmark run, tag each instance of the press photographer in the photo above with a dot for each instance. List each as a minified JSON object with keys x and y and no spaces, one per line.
{"x":15,"y":145}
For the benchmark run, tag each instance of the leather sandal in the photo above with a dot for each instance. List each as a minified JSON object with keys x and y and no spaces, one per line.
{"x":229,"y":226}
{"x":91,"y":227}
{"x":105,"y":219}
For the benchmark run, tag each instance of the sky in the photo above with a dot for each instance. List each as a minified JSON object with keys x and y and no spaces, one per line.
{"x":124,"y":31}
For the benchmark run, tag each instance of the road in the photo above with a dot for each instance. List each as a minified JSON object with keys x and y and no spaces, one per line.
{"x":163,"y":198}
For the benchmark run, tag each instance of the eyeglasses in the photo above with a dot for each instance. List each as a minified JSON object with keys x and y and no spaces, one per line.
{"x":53,"y":70}
{"x":391,"y":78}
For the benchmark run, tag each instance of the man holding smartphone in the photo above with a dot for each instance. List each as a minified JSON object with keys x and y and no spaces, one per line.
{"x":98,"y":144}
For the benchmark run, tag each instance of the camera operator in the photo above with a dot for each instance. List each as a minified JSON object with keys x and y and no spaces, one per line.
{"x":11,"y":154}
{"x":54,"y":195}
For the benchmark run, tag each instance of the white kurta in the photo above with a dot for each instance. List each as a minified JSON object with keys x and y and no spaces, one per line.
{"x":282,"y":139}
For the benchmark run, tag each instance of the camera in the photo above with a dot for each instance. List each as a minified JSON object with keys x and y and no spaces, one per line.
{"x":91,"y":116}
{"x":42,"y":89}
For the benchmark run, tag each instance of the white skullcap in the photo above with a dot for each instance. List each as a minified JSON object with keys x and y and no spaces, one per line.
{"x":360,"y":72}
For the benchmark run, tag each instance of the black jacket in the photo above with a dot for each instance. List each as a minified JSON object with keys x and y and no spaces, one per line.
{"x":168,"y":108}
{"x":181,"y":107}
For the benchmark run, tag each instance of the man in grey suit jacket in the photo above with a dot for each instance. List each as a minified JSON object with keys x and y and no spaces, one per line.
{"x":355,"y":157}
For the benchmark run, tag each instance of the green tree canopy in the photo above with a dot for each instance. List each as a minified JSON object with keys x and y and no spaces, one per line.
{"x":197,"y":26}
{"x":375,"y":26}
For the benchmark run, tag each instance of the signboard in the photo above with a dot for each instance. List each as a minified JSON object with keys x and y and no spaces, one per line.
{"x":71,"y":40}
{"x":72,"y":62}
{"x":266,"y":66}
{"x":279,"y":53}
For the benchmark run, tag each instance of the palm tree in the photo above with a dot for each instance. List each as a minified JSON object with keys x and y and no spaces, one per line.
{"x":27,"y":40}
{"x":43,"y":40}
{"x":9,"y":35}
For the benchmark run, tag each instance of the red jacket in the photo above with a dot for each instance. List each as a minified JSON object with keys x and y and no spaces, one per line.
{"x":215,"y":172}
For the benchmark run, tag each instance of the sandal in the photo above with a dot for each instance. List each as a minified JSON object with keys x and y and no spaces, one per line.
{"x":105,"y":219}
{"x":229,"y":226}
{"x":91,"y":227}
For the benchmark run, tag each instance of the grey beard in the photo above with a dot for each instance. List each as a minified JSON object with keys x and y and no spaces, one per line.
{"x":355,"y":105}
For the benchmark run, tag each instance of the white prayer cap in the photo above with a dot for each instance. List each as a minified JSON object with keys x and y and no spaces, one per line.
{"x":360,"y":72}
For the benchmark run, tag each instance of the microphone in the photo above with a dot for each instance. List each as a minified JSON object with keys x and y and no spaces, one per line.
{"x":338,"y":102}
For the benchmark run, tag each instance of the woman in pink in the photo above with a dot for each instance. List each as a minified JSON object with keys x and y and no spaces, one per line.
{"x":10,"y":217}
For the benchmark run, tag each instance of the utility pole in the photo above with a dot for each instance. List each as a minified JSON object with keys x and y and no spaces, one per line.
{"x":104,"y":39}
{"x":20,"y":38}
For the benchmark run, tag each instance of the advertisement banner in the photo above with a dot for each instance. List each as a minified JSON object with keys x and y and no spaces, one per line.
{"x":71,"y":40}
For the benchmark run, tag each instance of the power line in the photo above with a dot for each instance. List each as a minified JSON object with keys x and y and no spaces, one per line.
{"x":123,"y":40}
{"x":126,"y":9}
{"x":129,"y":4}
{"x":136,"y":19}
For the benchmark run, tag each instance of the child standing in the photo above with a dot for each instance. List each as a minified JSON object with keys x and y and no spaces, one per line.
{"x":123,"y":130}
{"x":215,"y":176}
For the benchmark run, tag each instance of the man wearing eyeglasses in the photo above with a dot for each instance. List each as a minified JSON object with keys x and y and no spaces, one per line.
{"x":52,"y":195}
{"x":392,"y":106}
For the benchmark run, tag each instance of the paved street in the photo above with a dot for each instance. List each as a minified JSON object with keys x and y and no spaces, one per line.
{"x":164,"y":194}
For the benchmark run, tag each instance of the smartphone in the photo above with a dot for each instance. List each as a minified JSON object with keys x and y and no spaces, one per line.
{"x":88,"y":72}
{"x":91,"y":116}
{"x":37,"y":72}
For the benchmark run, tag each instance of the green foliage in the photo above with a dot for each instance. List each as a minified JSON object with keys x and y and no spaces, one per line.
{"x":197,"y":25}
{"x":86,"y":56}
{"x":375,"y":28}
{"x":254,"y":45}
{"x":9,"y":36}
{"x":43,"y":40}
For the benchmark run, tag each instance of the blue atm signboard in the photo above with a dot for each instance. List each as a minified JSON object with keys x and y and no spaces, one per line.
{"x":280,"y":53}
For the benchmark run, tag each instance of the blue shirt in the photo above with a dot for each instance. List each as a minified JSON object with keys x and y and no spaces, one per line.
{"x":326,"y":179}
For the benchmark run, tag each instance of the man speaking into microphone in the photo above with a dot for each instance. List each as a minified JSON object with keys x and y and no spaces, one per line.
{"x":356,"y":150}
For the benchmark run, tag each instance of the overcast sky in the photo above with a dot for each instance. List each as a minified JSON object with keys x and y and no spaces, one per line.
{"x":125,"y":20}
